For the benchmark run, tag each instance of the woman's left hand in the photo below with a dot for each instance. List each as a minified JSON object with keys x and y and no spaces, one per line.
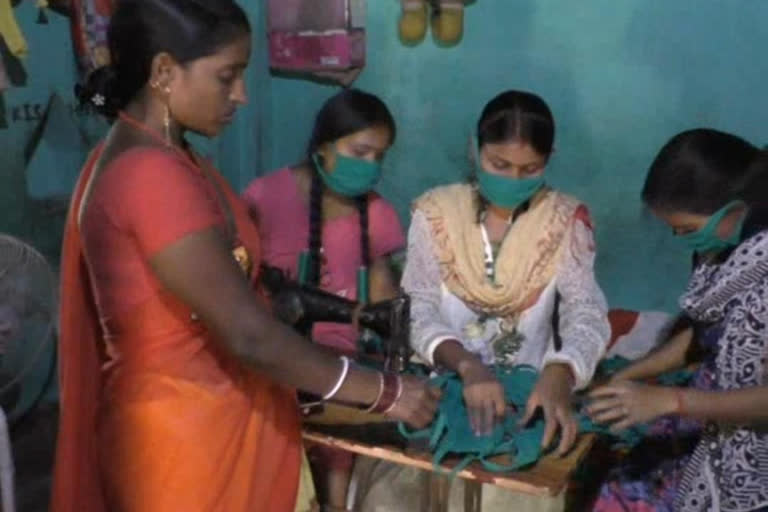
{"x":626,"y":403}
{"x":553,"y":394}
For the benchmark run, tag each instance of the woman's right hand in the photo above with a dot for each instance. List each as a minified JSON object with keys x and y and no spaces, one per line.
{"x":417,"y":404}
{"x":483,"y":395}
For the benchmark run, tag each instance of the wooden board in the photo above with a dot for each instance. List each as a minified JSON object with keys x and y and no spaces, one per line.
{"x":548,"y":477}
{"x":335,"y":414}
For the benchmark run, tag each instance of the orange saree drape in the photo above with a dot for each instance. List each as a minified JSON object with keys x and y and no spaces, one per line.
{"x":153,"y":416}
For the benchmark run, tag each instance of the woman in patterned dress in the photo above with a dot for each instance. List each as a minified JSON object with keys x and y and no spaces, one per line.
{"x":709,"y":447}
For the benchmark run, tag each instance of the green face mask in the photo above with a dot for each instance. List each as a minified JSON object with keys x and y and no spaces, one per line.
{"x":706,"y":239}
{"x":352,"y":177}
{"x":505,"y":191}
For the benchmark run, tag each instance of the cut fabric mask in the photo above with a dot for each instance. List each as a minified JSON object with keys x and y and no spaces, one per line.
{"x":451,"y":432}
{"x":706,"y":239}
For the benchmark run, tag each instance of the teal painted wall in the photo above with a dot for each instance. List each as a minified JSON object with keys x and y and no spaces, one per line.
{"x":49,"y":69}
{"x":621,"y":78}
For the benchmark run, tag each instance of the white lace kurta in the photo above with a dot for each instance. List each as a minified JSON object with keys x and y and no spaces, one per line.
{"x":438,"y":315}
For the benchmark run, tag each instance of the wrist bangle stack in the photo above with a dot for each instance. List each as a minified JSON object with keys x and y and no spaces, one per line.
{"x":340,"y":381}
{"x":390,"y":390}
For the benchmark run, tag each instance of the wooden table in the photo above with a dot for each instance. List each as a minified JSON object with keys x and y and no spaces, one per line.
{"x":548,"y":477}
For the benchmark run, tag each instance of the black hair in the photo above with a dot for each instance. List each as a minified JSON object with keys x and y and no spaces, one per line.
{"x":345,"y":113}
{"x":140,"y":29}
{"x":515,"y":116}
{"x":700,"y":171}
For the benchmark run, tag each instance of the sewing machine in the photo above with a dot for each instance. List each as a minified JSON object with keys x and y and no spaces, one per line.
{"x":351,"y":430}
{"x":302,"y":306}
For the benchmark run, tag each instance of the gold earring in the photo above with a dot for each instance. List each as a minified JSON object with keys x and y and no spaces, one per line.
{"x":167,"y":125}
{"x":167,"y":117}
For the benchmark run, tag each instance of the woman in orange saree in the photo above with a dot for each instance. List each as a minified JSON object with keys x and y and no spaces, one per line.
{"x":176,"y":383}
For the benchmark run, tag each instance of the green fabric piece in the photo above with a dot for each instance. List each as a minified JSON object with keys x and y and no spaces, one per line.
{"x":451,"y":433}
{"x":363,"y":285}
{"x":305,"y":262}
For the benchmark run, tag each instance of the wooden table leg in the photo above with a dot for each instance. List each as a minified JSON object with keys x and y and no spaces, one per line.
{"x":473,"y":496}
{"x":424,"y":495}
{"x":436,"y":490}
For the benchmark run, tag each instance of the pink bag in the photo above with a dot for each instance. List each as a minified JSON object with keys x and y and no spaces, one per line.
{"x":316,"y":35}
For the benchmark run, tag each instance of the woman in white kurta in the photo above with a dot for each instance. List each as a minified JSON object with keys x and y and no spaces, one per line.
{"x":500,"y":271}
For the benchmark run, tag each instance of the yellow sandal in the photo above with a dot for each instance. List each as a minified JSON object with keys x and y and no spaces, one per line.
{"x":413,"y":22}
{"x":448,"y":22}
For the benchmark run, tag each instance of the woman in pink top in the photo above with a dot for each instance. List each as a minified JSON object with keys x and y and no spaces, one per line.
{"x":321,"y":223}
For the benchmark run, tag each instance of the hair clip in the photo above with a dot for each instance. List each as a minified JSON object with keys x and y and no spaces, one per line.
{"x":99,"y":100}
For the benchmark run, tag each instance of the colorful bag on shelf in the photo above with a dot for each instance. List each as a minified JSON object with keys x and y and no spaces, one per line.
{"x":312,"y":36}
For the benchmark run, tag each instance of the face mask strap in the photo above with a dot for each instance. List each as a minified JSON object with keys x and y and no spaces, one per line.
{"x":707,"y":239}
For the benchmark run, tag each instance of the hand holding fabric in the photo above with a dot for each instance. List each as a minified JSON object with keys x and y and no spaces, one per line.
{"x":417,"y":404}
{"x":552,"y":394}
{"x":624,"y":404}
{"x":483,"y":395}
